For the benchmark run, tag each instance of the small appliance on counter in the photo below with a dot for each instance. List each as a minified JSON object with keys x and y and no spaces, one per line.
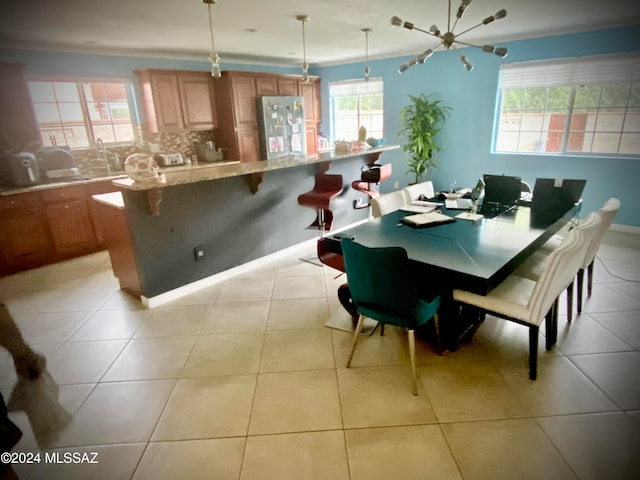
{"x":208,"y":153}
{"x":20,"y":170}
{"x":169,"y":159}
{"x":59,"y":164}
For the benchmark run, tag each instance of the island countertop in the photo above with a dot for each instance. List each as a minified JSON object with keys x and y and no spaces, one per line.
{"x":216,"y":170}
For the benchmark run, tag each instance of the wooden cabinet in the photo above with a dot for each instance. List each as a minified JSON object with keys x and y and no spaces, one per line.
{"x":236,"y":94}
{"x":176,"y":100}
{"x":68,"y":220}
{"x":17,"y":120}
{"x":47,"y":226}
{"x":24,"y":236}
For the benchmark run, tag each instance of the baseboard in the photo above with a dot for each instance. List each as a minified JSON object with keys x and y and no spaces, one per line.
{"x":625,"y":229}
{"x":175,"y":294}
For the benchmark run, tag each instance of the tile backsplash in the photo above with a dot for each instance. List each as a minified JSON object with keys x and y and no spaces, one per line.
{"x":185,"y":143}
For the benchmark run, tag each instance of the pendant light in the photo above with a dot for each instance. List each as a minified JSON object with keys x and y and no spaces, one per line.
{"x":367,"y":69}
{"x":305,"y":66}
{"x":213,"y":56}
{"x":449,"y":39}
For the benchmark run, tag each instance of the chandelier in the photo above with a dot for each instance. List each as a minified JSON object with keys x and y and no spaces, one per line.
{"x":304,"y":65}
{"x":213,"y":56}
{"x":449,"y":39}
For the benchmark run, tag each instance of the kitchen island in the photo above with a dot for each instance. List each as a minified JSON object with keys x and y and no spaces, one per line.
{"x":233,"y":214}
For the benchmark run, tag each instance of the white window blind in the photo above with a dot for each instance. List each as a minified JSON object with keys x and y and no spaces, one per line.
{"x":356,"y":87}
{"x":593,"y":70}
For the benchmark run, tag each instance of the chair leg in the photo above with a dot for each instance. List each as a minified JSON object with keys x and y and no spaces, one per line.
{"x":436,"y":324}
{"x":412,"y":354}
{"x":569,"y":302}
{"x":356,"y":334}
{"x":549,"y":324}
{"x":382,"y":329}
{"x":533,"y":351}
{"x":590,"y":279}
{"x":580,"y":284}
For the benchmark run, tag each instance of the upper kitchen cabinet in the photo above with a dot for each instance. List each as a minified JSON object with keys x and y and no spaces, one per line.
{"x":17,"y":121}
{"x":236,"y":94}
{"x":178,"y":100}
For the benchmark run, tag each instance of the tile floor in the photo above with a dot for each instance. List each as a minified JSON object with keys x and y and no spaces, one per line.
{"x":243,"y":381}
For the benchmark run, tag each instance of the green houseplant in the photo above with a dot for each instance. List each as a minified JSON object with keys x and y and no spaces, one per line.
{"x":419,"y":123}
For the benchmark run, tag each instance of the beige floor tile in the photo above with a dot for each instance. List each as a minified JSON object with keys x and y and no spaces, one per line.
{"x":151,"y":359}
{"x":121,"y":300}
{"x":409,"y":452}
{"x":218,"y":459}
{"x":83,"y":362}
{"x":114,"y":462}
{"x":246,"y":290}
{"x":606,"y":298}
{"x":295,"y":267}
{"x":174,"y":321}
{"x":462,"y":392}
{"x":585,"y":335}
{"x":81,"y":299}
{"x":623,"y":324}
{"x":506,"y":449}
{"x":381,"y":396}
{"x":612,"y":373}
{"x":371,"y":351}
{"x":110,"y":325}
{"x":303,"y":313}
{"x":299,"y":349}
{"x":204,"y":296}
{"x":597,"y":446}
{"x":288,"y":288}
{"x":225,"y":354}
{"x":211,"y":407}
{"x":296,"y":402}
{"x":562,"y":389}
{"x":237,"y":317}
{"x":122,"y":412}
{"x":49,"y":327}
{"x":100,"y":279}
{"x":297,"y":456}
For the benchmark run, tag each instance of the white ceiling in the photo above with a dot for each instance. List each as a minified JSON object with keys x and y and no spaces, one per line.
{"x":266,"y":31}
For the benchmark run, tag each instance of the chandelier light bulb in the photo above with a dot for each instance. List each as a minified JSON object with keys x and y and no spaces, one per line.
{"x":215,"y":65}
{"x":500,"y":14}
{"x":501,"y":52}
{"x":396,"y":21}
{"x":467,"y":64}
{"x":435,"y":30}
{"x":424,"y":55}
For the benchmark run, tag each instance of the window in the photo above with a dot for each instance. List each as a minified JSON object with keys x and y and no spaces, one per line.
{"x":356,"y":103}
{"x":78,"y":113}
{"x":586,"y":106}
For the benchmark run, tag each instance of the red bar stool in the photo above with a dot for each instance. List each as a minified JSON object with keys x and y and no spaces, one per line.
{"x":372,"y":174}
{"x":326,"y":187}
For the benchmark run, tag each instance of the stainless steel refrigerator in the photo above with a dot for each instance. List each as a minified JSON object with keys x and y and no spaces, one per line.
{"x":281,"y":127}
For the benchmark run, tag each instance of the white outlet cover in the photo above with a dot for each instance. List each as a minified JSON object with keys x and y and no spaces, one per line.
{"x":154,"y":147}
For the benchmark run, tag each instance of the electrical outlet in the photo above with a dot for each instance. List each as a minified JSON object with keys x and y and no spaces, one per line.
{"x":396,"y":185}
{"x":198,"y":253}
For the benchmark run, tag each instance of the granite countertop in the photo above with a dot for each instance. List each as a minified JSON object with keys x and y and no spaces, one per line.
{"x":53,"y":184}
{"x":201,"y":172}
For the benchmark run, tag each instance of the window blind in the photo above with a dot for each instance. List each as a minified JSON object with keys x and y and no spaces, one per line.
{"x":356,"y":87}
{"x":600,"y":69}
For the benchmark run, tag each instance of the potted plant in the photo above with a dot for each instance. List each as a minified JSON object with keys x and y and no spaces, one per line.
{"x":419,"y":123}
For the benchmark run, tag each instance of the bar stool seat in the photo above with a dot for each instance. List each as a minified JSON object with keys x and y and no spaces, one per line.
{"x":327,"y":187}
{"x":367,"y":186}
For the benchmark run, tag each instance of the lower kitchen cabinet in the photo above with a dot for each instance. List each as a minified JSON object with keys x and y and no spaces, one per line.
{"x":47,"y":226}
{"x":24,"y":236}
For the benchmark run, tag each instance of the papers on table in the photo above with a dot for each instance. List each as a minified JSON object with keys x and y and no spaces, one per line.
{"x":426,"y":219}
{"x":420,"y":206}
{"x":469,"y":216}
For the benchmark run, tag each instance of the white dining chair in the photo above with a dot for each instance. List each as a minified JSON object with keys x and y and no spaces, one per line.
{"x":529,"y":302}
{"x":387,"y":203}
{"x":413,"y":192}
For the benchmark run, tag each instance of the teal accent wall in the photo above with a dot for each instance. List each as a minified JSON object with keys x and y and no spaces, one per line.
{"x":467,"y":135}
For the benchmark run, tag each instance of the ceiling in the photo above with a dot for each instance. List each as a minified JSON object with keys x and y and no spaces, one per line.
{"x":267,"y":32}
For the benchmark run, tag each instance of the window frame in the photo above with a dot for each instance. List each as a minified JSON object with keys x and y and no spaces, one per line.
{"x":358,"y":88}
{"x":88,"y":123}
{"x":571,"y":73}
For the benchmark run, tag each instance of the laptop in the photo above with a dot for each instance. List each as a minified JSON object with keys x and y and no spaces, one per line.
{"x":461,"y":203}
{"x":501,"y":192}
{"x":553,"y":197}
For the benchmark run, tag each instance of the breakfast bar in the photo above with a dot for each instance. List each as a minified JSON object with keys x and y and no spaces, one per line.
{"x":197,"y":221}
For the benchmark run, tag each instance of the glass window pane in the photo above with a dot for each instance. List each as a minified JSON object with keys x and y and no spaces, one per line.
{"x":605,"y":142}
{"x":614,"y":95}
{"x":507,"y":141}
{"x":610,"y":121}
{"x":46,"y":112}
{"x":632,"y":122}
{"x":66,"y":92}
{"x":124,"y":132}
{"x":558,"y":99}
{"x":71,"y":112}
{"x":41,"y":92}
{"x":105,"y":132}
{"x":76,"y":136}
{"x":532,"y":121}
{"x":529,"y":141}
{"x":119,"y":110}
{"x":98,"y":111}
{"x":512,"y":100}
{"x":630,"y":143}
{"x":587,"y":96}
